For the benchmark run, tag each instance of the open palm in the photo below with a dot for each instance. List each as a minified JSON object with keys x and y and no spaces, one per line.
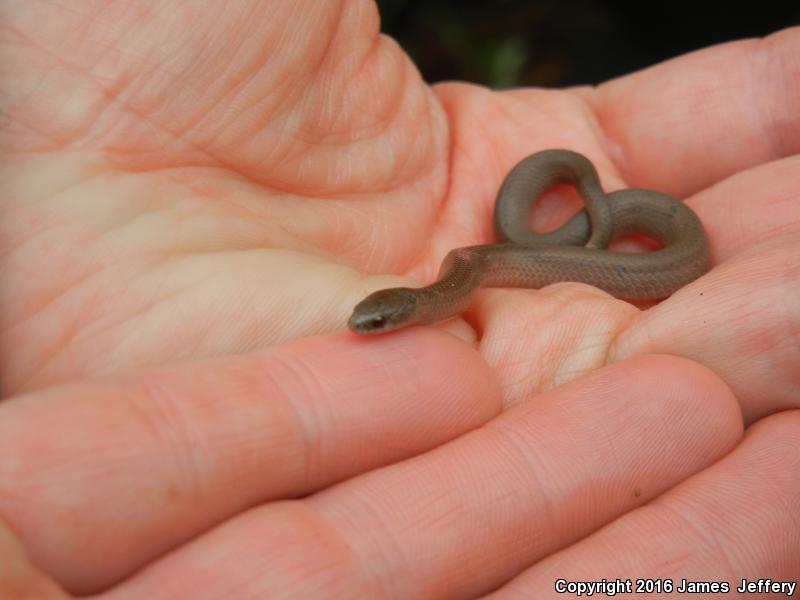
{"x":192,"y":198}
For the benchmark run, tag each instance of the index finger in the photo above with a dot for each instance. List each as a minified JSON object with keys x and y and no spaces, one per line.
{"x":157,"y":457}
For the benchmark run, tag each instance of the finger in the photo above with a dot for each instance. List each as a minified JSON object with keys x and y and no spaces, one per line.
{"x":158,"y":457}
{"x":687,"y":123}
{"x":534,"y":480}
{"x":18,"y":577}
{"x":742,"y":320}
{"x":735,"y":520}
{"x":750,"y":207}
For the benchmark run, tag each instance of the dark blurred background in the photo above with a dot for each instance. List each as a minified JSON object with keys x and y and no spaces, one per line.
{"x":505,"y":43}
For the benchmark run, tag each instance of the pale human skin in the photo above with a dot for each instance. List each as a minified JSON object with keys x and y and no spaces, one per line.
{"x":193,"y":197}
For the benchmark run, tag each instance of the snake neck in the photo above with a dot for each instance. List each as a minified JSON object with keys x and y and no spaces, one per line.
{"x":459,"y":278}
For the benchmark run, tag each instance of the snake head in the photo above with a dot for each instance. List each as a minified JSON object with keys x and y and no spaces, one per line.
{"x":384,"y":310}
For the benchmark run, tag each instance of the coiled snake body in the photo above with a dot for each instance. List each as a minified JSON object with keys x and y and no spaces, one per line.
{"x":574,"y":252}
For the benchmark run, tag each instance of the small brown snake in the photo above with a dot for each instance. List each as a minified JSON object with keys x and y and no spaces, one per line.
{"x":574,"y":252}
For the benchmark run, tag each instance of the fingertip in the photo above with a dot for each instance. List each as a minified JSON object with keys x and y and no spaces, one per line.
{"x":684,"y":375}
{"x":446,"y":354}
{"x":688,"y":391}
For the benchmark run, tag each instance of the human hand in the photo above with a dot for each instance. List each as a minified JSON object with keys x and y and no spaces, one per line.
{"x":164,"y":208}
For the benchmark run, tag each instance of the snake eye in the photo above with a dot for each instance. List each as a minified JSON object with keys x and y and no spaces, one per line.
{"x":376,"y":322}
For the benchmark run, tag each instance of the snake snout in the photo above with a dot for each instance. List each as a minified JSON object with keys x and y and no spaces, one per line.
{"x":384,"y":310}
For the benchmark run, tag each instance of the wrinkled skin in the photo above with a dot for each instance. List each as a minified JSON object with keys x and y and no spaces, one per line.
{"x":194,"y":197}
